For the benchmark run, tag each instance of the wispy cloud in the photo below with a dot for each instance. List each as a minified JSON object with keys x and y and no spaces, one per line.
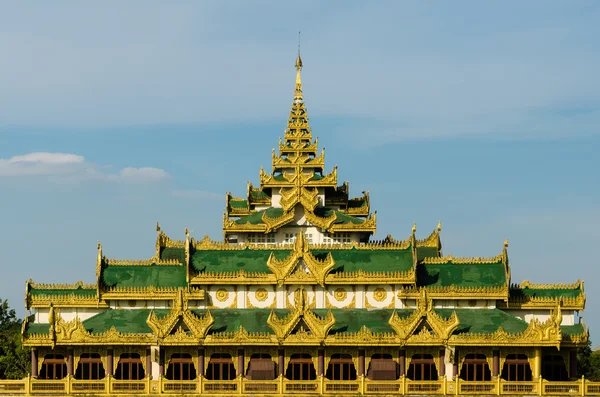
{"x":68,"y":167}
{"x":197,"y":194}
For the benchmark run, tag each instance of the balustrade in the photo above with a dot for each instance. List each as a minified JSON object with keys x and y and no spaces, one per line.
{"x":320,"y":386}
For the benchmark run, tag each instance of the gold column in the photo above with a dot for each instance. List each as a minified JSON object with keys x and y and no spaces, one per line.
{"x":538,"y":363}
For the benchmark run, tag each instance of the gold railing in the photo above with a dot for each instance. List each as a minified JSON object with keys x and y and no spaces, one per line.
{"x":282,"y":386}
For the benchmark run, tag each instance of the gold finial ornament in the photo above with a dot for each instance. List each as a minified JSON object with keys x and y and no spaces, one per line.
{"x":506,"y":243}
{"x":414,"y":228}
{"x":439,"y":226}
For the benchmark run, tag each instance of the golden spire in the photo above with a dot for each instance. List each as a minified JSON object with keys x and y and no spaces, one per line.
{"x":298,"y":92}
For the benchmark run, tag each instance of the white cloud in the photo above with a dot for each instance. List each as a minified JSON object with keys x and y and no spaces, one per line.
{"x":67,"y":167}
{"x":142,"y":174}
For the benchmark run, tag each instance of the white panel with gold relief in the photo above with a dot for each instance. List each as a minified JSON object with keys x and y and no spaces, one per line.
{"x":340,"y":296}
{"x":398,"y":303}
{"x":222,"y":296}
{"x":310,"y":294}
{"x":379,"y":296}
{"x":261,"y":296}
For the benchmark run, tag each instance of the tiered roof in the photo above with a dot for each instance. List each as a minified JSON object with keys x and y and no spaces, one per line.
{"x":297,"y":174}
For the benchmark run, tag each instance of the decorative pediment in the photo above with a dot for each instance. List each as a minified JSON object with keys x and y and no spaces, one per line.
{"x":301,"y":325}
{"x":430,"y":325}
{"x":283,"y":269}
{"x":169,"y":328}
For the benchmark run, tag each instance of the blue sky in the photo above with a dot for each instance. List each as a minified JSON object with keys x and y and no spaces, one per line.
{"x":482,"y":115}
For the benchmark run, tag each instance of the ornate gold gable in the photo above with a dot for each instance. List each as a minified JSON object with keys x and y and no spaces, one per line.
{"x":300,"y":255}
{"x":317,"y":327}
{"x":441,"y":329}
{"x":163,"y":328}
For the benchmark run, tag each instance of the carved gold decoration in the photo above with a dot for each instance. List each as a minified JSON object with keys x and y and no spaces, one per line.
{"x":222,"y":295}
{"x":300,"y":255}
{"x":261,"y":294}
{"x":442,"y":328}
{"x":469,"y":261}
{"x":318,"y":327}
{"x":163,"y":328}
{"x":240,"y":337}
{"x":379,"y":294}
{"x":143,"y":262}
{"x":340,"y":294}
{"x":454,"y":292}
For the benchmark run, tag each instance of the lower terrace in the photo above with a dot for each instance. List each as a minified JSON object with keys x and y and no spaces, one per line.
{"x":302,"y":371}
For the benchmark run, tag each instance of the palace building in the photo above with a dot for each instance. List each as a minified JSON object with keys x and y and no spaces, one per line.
{"x":298,"y":299}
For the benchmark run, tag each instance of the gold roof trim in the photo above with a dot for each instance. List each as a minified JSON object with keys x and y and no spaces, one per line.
{"x":164,"y":241}
{"x":68,"y":300}
{"x":242,"y":337}
{"x":454,"y":292}
{"x":366,"y":277}
{"x":526,"y":284}
{"x":142,"y":262}
{"x":274,"y":223}
{"x":458,"y":260}
{"x":149,"y":293}
{"x":241,"y":276}
{"x":526,"y":302}
{"x":74,"y":286}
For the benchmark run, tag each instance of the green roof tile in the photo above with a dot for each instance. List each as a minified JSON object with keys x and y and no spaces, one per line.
{"x":577,"y":329}
{"x":229,"y":320}
{"x":256,"y":218}
{"x":161,"y":276}
{"x":545,"y":292}
{"x":376,"y":261}
{"x":131,"y":321}
{"x":341,"y":218}
{"x":61,"y":292}
{"x":37,"y":328}
{"x":259,"y":194}
{"x":485,"y":321}
{"x":234,"y":260}
{"x":352,"y":320}
{"x":426,"y":252}
{"x":461,"y":274}
{"x":173,"y":253}
{"x":240,"y":204}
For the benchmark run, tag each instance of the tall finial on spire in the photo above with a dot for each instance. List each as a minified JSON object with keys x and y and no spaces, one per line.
{"x":298,"y":92}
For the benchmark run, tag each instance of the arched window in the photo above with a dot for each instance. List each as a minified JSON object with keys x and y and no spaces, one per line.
{"x":422,"y":367}
{"x":261,"y":367}
{"x":53,"y":367}
{"x":181,"y":367}
{"x":475,"y":368}
{"x":130,"y":367}
{"x":301,"y":368}
{"x":341,"y":367}
{"x":554,"y":368}
{"x":516,"y":368}
{"x":89,"y":367}
{"x":220,"y":367}
{"x":382,"y":367}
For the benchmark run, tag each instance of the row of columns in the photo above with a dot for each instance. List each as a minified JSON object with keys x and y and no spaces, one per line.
{"x":495,"y":370}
